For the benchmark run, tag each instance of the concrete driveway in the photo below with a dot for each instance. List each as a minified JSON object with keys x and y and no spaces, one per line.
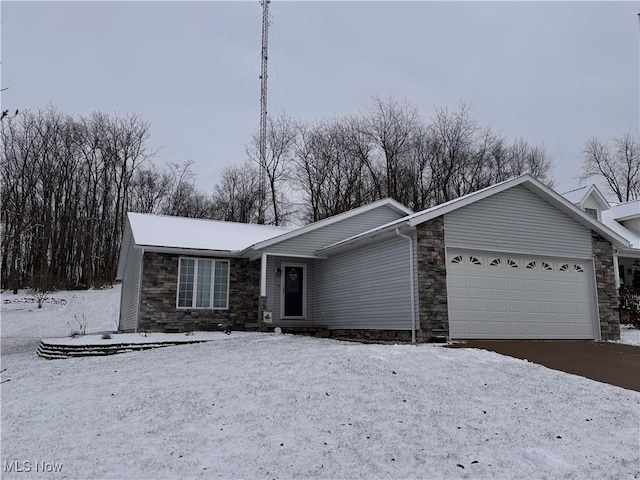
{"x":611,"y":363}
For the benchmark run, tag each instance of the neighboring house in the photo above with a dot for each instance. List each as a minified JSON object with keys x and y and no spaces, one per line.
{"x":623,"y":218}
{"x":514,"y":260}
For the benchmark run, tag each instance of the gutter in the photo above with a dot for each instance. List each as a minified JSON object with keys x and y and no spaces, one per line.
{"x":413,"y":293}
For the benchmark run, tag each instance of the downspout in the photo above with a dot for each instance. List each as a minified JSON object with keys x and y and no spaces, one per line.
{"x":616,"y":269}
{"x":262,"y":300}
{"x":413,"y":292}
{"x":263,"y":276}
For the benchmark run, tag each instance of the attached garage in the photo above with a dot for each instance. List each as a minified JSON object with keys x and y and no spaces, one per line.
{"x":494,"y":295}
{"x":514,"y":260}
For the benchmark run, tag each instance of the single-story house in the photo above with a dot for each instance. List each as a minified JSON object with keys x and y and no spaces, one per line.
{"x":622,"y":218}
{"x":515,"y":260}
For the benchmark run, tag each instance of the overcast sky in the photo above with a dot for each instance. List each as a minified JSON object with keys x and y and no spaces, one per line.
{"x":554,"y":73}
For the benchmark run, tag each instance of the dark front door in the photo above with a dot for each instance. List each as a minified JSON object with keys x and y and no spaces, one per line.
{"x":293,"y":289}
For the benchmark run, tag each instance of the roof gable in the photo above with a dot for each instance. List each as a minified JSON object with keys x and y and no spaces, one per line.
{"x":384,"y":203}
{"x":587,"y":194}
{"x":527,"y":181}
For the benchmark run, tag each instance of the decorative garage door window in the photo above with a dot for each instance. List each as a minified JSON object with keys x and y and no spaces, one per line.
{"x":546,"y":265}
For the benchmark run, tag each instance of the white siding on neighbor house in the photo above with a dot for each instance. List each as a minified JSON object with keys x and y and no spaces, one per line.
{"x":130,"y":294}
{"x":367,"y":288}
{"x":274,"y":287}
{"x":517,"y":220}
{"x":308,"y":243}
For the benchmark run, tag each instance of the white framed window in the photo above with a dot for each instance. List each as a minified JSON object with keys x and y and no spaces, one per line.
{"x":203,"y":283}
{"x":592,"y":212}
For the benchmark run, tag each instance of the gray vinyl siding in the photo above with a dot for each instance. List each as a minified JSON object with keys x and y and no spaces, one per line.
{"x":308,"y":243}
{"x":130,"y":295}
{"x":274,"y":297}
{"x":367,"y":288}
{"x":517,"y":220}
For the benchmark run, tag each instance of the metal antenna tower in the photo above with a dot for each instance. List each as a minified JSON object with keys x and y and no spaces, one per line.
{"x":263,"y":110}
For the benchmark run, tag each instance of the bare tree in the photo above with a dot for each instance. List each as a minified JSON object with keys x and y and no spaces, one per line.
{"x":391,"y":126}
{"x":236,"y":197}
{"x":617,"y":164}
{"x":330,"y":170}
{"x":281,"y":135}
{"x":65,"y":188}
{"x":150,"y":188}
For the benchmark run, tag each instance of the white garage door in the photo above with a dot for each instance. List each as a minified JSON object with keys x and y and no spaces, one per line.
{"x":500,"y":296}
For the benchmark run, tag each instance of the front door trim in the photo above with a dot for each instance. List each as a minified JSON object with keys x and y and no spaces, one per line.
{"x":283,"y":269}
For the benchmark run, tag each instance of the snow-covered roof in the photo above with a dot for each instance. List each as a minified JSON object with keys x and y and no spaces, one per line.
{"x":580,"y":195}
{"x":576,"y":196}
{"x":197,"y":234}
{"x":608,"y":218}
{"x":626,"y":211}
{"x":527,"y":180}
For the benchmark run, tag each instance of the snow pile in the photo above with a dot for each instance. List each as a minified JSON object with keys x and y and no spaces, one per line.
{"x":629,"y":335}
{"x":282,"y":406}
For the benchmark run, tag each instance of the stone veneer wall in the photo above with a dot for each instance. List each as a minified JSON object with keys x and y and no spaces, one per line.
{"x":606,"y":285}
{"x":158,"y":312}
{"x":371,"y":335}
{"x":432,"y":281}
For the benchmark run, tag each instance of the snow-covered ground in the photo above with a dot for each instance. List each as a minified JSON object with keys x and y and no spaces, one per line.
{"x":281,"y":406}
{"x":629,"y":335}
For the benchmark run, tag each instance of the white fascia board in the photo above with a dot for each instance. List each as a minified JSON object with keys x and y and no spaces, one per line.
{"x":628,"y":217}
{"x":256,"y":255}
{"x":331,"y":220}
{"x":196,"y":252}
{"x":629,"y":252}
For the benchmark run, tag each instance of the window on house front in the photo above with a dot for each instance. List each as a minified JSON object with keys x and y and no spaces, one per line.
{"x":203,"y":283}
{"x":592,"y":212}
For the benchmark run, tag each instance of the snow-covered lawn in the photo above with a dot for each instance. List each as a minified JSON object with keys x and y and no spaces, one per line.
{"x":629,"y":335}
{"x":281,"y":406}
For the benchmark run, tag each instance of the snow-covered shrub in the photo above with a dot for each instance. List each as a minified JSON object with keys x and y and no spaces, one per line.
{"x":630,"y":301}
{"x":81,"y":329}
{"x":39,"y":295}
{"x":106,"y":336}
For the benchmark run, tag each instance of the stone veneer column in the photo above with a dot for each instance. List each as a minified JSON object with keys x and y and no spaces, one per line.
{"x":606,"y":288}
{"x":432,"y":281}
